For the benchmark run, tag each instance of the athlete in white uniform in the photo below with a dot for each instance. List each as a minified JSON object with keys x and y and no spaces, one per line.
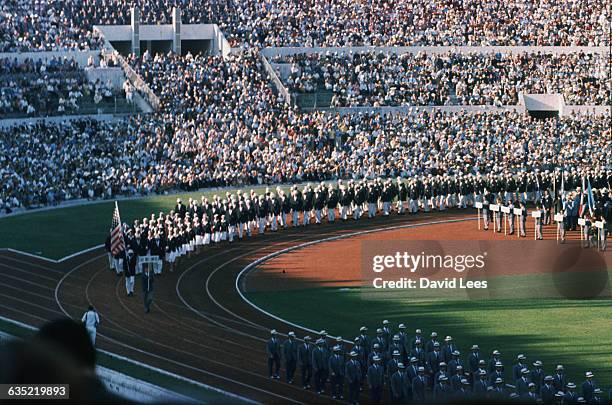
{"x":91,"y":321}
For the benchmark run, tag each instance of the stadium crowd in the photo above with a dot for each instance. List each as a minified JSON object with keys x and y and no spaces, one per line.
{"x":68,"y":25}
{"x":389,"y":79}
{"x":221,"y":124}
{"x":49,"y":163}
{"x":46,"y":87}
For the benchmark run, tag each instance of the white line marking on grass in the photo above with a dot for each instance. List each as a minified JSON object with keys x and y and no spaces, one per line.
{"x":63,"y":259}
{"x":263,"y":259}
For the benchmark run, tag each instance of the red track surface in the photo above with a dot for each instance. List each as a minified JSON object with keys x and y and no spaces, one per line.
{"x":199,"y":326}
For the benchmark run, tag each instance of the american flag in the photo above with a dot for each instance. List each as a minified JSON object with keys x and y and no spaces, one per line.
{"x":117,"y":243}
{"x":582,"y":193}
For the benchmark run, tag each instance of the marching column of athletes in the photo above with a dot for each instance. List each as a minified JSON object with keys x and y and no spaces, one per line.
{"x":167,"y":238}
{"x":414,"y":369}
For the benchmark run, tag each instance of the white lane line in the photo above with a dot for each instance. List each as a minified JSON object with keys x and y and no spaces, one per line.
{"x":63,"y":259}
{"x":20,"y":252}
{"x":30,"y":264}
{"x":31,"y":273}
{"x":263,"y":259}
{"x":168,"y":360}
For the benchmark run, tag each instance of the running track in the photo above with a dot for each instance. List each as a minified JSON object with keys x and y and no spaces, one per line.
{"x":199,"y":327}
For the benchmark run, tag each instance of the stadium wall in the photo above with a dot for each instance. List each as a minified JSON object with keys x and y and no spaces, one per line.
{"x":80,"y":57}
{"x":113,"y":75}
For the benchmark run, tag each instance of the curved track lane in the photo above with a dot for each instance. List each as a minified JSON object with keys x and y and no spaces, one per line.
{"x":199,"y":326}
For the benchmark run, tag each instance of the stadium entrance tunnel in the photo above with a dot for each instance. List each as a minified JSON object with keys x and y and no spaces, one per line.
{"x":543,"y":106}
{"x":155,"y":47}
{"x":543,"y":114}
{"x":195,"y":46}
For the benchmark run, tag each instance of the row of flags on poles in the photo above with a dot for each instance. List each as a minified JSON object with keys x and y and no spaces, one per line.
{"x":587,"y":191}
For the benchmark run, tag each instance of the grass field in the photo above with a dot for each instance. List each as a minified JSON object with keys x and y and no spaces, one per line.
{"x":575,"y":333}
{"x":59,"y":232}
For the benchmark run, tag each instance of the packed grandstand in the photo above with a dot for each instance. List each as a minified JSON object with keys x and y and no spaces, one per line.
{"x":224,"y":120}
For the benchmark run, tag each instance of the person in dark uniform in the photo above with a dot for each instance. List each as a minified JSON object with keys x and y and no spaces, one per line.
{"x":456,"y":378}
{"x":157,"y":248}
{"x":474,"y":358}
{"x":354,"y":377}
{"x":296,"y":206}
{"x":180,"y":208}
{"x":372,"y":199}
{"x":376,"y":380}
{"x":147,"y":288}
{"x":522,"y":383}
{"x":537,"y":375}
{"x":308,"y":205}
{"x":448,"y":349}
{"x":441,"y":391}
{"x":336,"y":373}
{"x":129,"y":271}
{"x":571,"y":396}
{"x":332,"y":203}
{"x":547,"y":390}
{"x":398,"y":385}
{"x":559,"y":378}
{"x":362,"y":354}
{"x":496,"y":373}
{"x":243,"y":219}
{"x":419,"y":353}
{"x":319,"y":204}
{"x":320,"y":364}
{"x":419,"y":384}
{"x":304,"y":358}
{"x":547,"y":205}
{"x":433,"y":361}
{"x":480,"y":385}
{"x":273,"y":352}
{"x":290,"y":356}
{"x":588,"y":387}
{"x":517,"y":369}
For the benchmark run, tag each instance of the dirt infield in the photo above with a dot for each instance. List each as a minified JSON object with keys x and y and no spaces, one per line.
{"x":199,"y":326}
{"x":340,"y":263}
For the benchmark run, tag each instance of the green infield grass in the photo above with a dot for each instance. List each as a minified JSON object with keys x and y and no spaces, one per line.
{"x":60,"y":232}
{"x":575,"y":333}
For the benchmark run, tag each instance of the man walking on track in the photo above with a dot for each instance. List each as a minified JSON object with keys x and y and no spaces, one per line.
{"x":147,"y":288}
{"x":273,"y":350}
{"x":129,"y":271}
{"x":305,"y":360}
{"x":91,"y":320}
{"x":290,"y":355}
